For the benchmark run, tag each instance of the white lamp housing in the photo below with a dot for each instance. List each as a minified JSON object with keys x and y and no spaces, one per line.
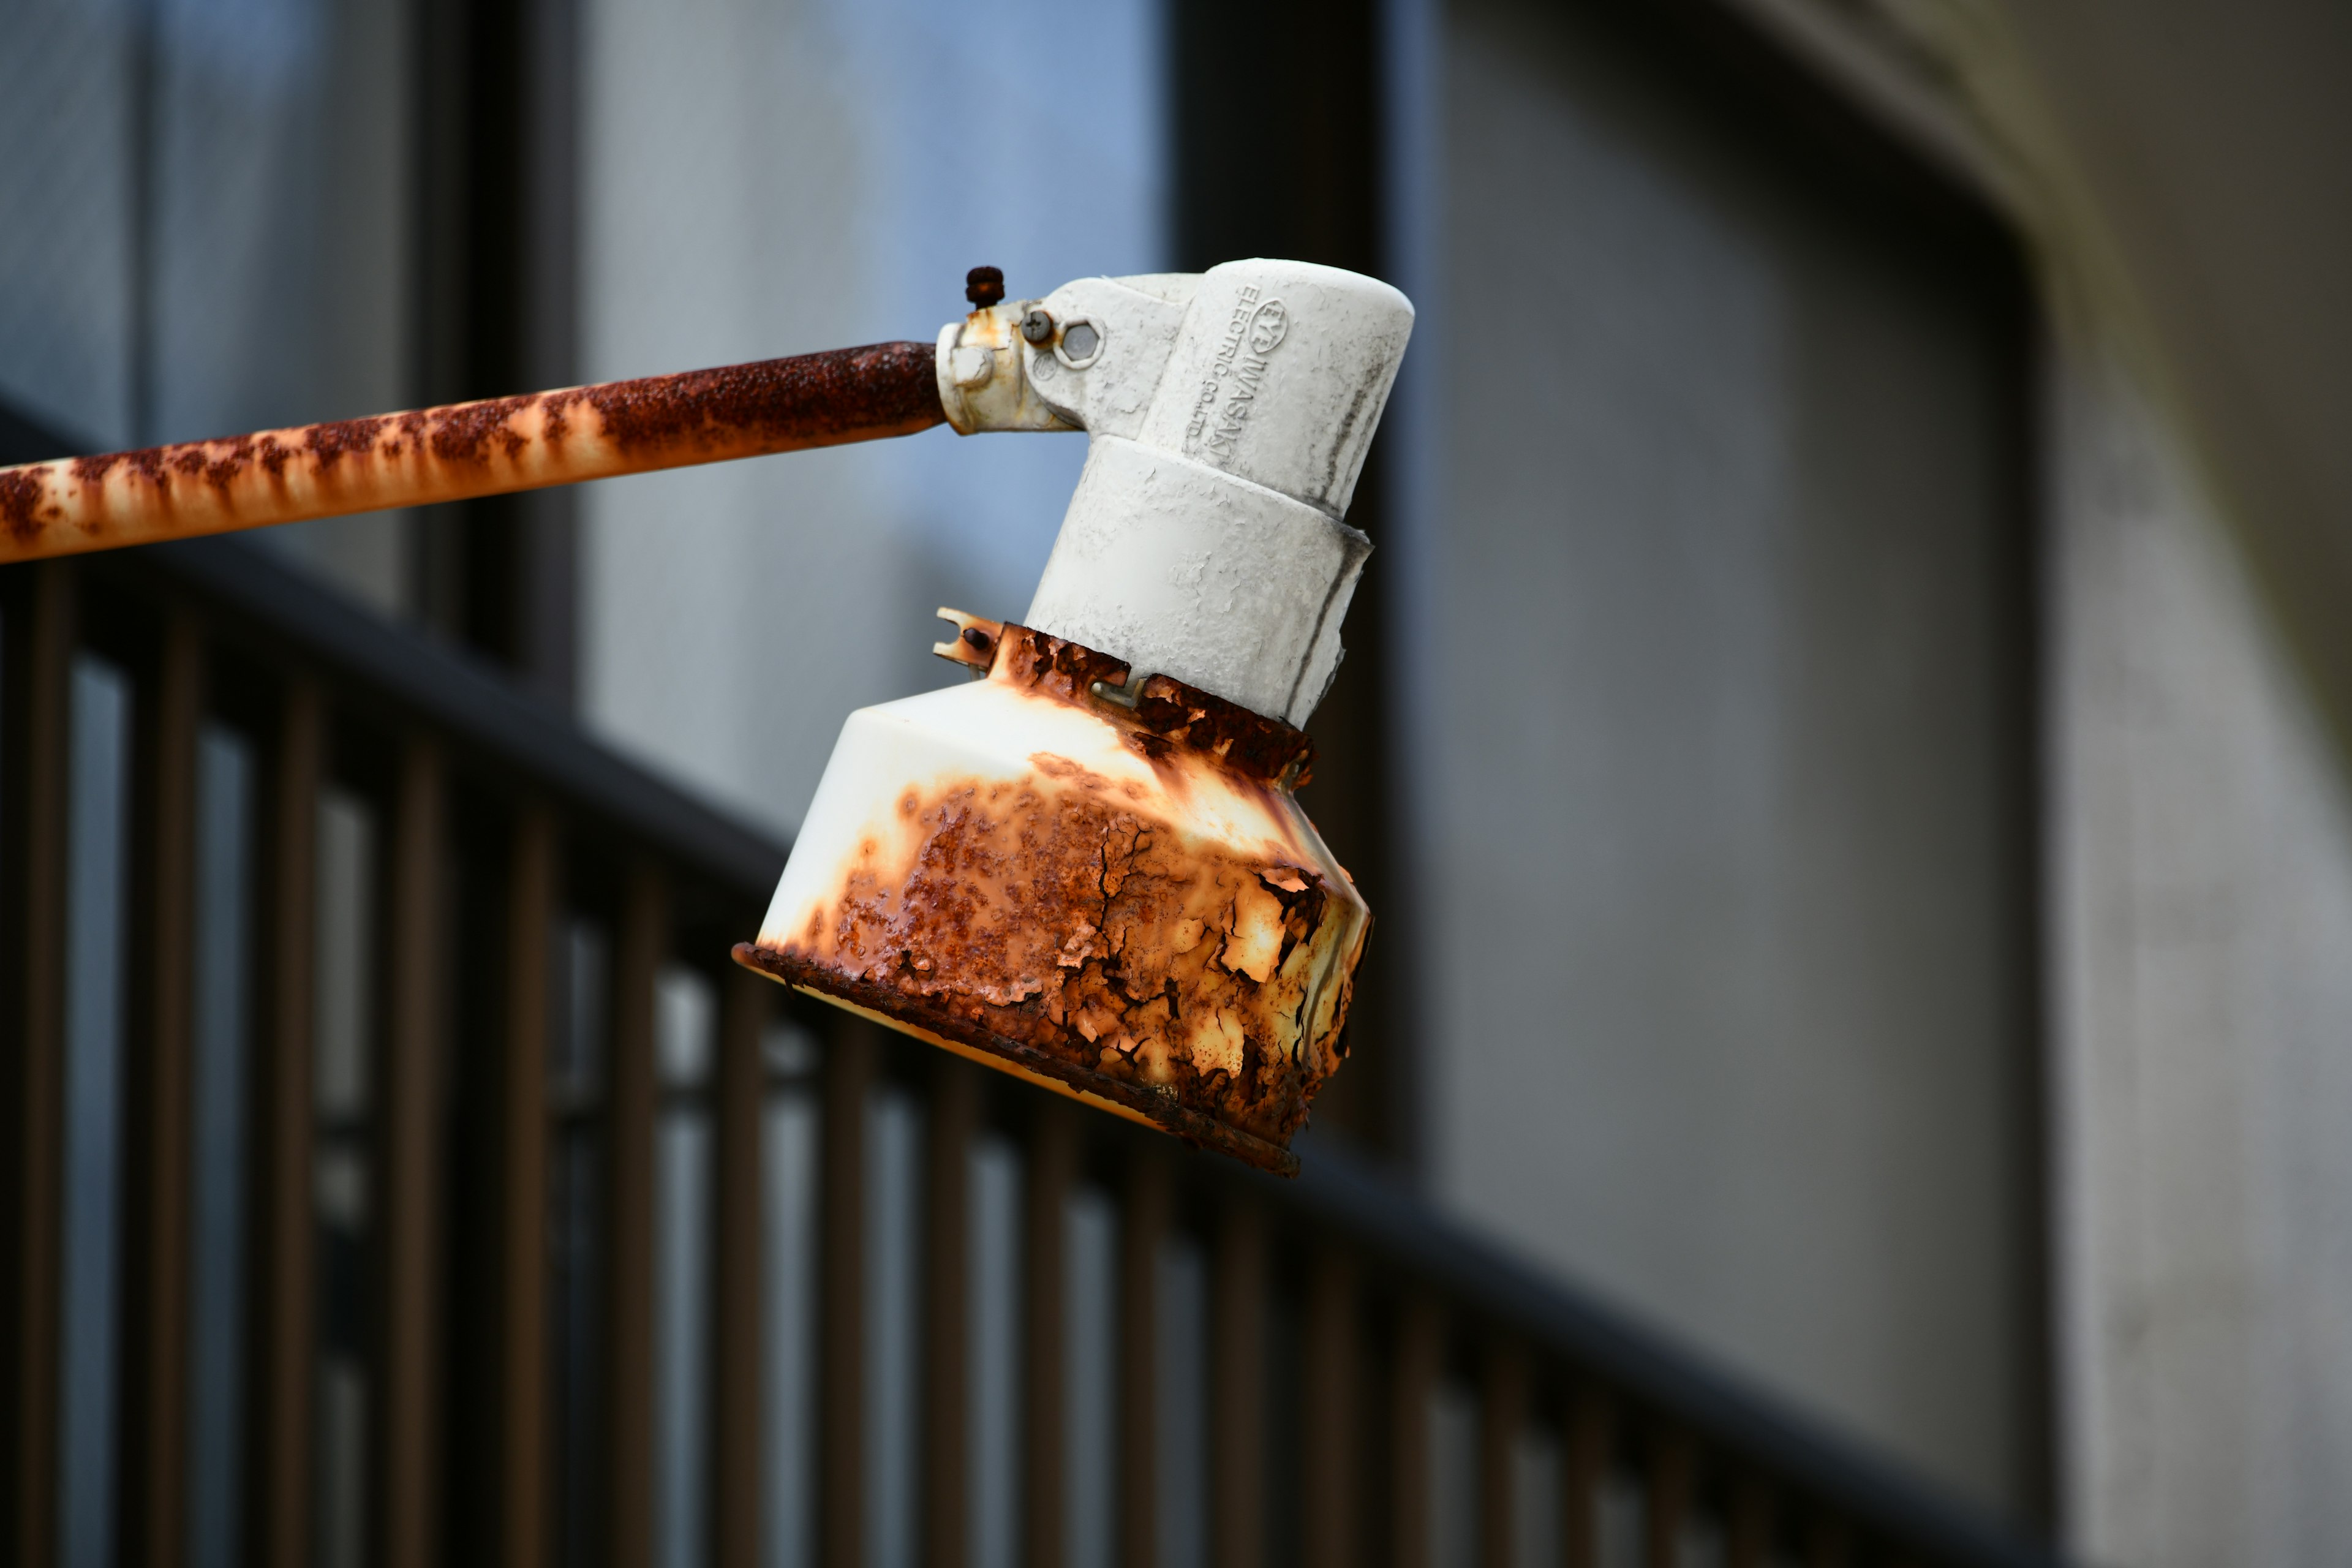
{"x":1090,"y":870}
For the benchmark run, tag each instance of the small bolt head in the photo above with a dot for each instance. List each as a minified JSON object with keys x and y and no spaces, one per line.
{"x":983,"y":286}
{"x":1038,"y":328}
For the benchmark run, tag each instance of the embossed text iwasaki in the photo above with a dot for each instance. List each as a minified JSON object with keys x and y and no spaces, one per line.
{"x":1255,"y":329}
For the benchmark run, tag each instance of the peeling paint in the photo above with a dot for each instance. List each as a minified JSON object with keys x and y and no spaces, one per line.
{"x":1140,"y":909}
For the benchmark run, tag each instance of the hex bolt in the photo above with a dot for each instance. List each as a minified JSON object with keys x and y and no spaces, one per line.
{"x":1079,"y":340}
{"x":983,"y":286}
{"x":1038,"y":328}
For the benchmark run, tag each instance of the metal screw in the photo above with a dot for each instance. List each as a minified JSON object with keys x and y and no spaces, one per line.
{"x":1129,"y":696}
{"x":983,"y":286}
{"x":1038,"y":328}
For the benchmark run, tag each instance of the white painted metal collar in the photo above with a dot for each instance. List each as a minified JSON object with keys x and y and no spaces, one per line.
{"x":1230,"y":413}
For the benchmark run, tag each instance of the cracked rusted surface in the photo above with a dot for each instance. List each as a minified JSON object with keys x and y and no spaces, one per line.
{"x":1137,"y":901}
{"x":1166,"y":711}
{"x":1045,"y":1068}
{"x":466,"y":449}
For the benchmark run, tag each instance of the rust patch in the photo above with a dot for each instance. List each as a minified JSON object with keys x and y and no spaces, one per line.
{"x":811,"y":400}
{"x":152,"y":464}
{"x":464,"y":432}
{"x":332,"y":442}
{"x":1168,"y":715}
{"x":237,"y":456}
{"x":1065,"y":916}
{"x":558,"y":416}
{"x":1026,"y":1061}
{"x":22,"y":492}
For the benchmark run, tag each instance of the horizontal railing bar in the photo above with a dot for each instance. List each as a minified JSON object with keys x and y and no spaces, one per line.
{"x":1681,"y":1383}
{"x":472,"y":705}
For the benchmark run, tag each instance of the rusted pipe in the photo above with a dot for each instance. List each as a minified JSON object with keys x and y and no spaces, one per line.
{"x":465,"y":450}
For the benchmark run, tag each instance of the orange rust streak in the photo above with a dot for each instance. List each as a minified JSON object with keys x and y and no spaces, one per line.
{"x":465,"y":450}
{"x":1088,"y":929}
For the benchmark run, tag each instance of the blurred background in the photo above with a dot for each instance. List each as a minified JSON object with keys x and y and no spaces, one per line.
{"x":1845,"y":731}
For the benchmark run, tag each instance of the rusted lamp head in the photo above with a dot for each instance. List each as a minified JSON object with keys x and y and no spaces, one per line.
{"x":1124,"y":903}
{"x":1088,"y":867}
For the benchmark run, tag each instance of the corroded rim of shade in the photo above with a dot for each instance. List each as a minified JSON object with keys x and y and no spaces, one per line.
{"x":928,"y":1022}
{"x":1166,"y":713}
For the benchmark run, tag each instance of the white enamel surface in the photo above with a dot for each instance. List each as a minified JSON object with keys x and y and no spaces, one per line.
{"x":991,"y":731}
{"x":1138,"y":318}
{"x":1230,"y":414}
{"x":1190,"y":572}
{"x":1209,"y":547}
{"x":1280,"y":375}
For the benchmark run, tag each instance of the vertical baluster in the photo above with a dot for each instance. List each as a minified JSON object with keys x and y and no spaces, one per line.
{"x":37,"y":664}
{"x":1052,"y":1166}
{"x":641,"y":940}
{"x":1329,"y":1466}
{"x":1748,"y":1532}
{"x":1583,"y":1463}
{"x":1237,"y":1412}
{"x":841,"y":1399}
{"x":522,"y":1179}
{"x":158,"y":1109}
{"x":284,"y":1288}
{"x":1143,"y":1228}
{"x":411,"y":1086}
{"x":737,"y":1378}
{"x":1502,"y":1411}
{"x":947,"y":1219}
{"x":1668,"y":1504}
{"x":1418,"y":1358}
{"x":1828,"y":1542}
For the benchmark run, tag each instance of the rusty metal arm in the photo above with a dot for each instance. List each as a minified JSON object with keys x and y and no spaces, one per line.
{"x":465,"y":449}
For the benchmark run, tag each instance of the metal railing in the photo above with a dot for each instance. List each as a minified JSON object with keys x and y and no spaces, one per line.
{"x":379,"y":962}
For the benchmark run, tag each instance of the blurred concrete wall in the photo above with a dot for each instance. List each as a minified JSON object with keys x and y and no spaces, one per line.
{"x":1720,"y":737}
{"x":2203,"y":943}
{"x":2178,"y":169}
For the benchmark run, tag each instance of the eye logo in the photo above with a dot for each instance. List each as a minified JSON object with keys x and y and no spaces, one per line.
{"x":1267,"y":326}
{"x":1230,"y":388}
